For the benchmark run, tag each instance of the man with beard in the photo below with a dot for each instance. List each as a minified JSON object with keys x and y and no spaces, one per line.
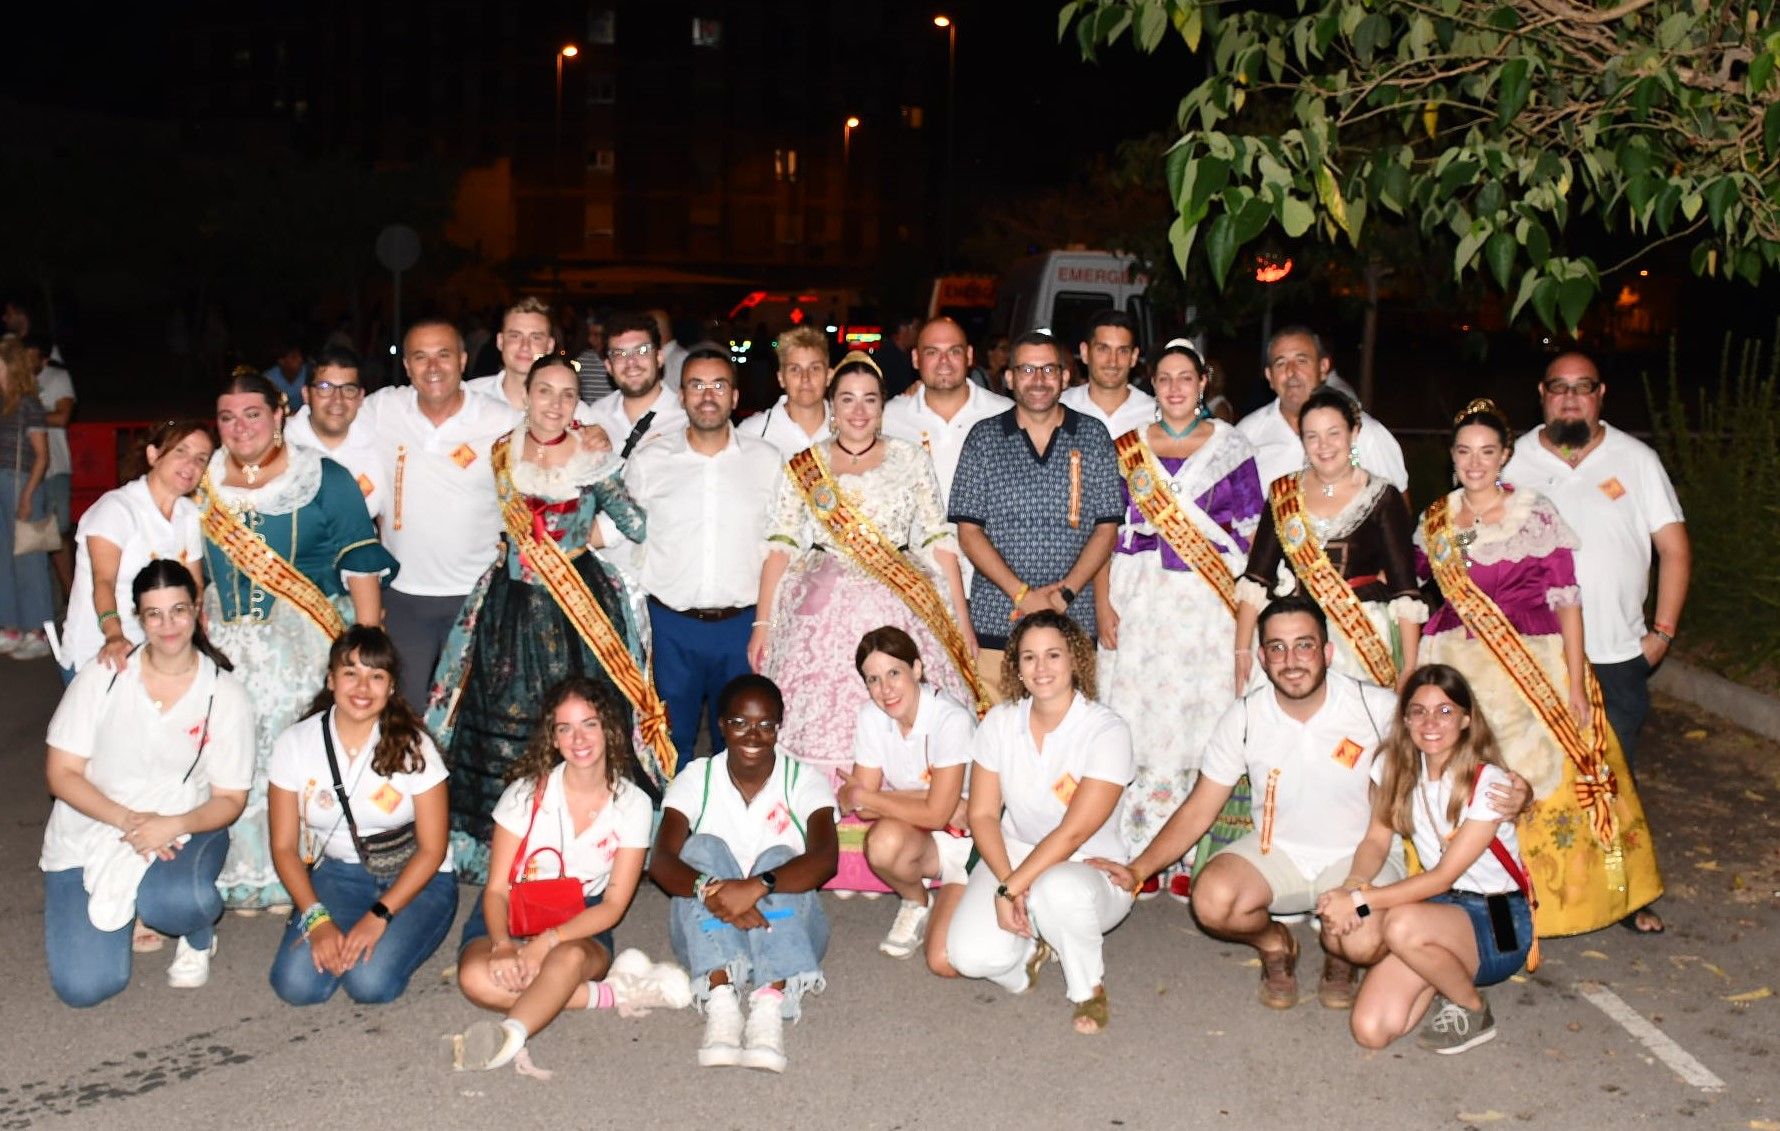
{"x":1306,"y":742}
{"x":328,"y":422}
{"x":1614,"y":493}
{"x":941,"y":411}
{"x":1109,"y":353}
{"x":1297,"y":365}
{"x":706,"y":489}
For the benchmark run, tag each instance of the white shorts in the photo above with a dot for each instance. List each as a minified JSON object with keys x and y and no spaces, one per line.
{"x":954,"y":856}
{"x":1294,"y":893}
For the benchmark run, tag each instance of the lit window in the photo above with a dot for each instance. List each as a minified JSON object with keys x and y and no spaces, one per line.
{"x":707,"y":32}
{"x":602,"y":160}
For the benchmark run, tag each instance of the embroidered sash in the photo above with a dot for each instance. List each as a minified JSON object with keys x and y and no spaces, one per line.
{"x":263,"y":565}
{"x":1586,"y":749}
{"x":1143,"y":475}
{"x":555,"y":569}
{"x":856,"y":534}
{"x":1325,"y":583}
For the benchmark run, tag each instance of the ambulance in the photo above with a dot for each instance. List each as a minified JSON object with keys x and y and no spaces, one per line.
{"x":1059,"y":292}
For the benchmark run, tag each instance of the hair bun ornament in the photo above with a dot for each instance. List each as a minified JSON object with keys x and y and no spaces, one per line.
{"x":1479,"y":405}
{"x":860,"y":357}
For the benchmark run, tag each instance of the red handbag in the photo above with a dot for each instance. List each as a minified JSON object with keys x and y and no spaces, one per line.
{"x":535,"y":906}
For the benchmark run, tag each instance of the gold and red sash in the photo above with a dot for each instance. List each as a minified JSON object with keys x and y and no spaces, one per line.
{"x":1586,"y":750}
{"x":555,"y":569}
{"x":264,"y":566}
{"x":1143,"y":476}
{"x":878,"y":556}
{"x":1325,"y":583}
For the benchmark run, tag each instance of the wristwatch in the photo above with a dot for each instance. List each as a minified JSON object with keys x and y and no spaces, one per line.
{"x":771,"y":881}
{"x":1361,"y":907}
{"x":1068,"y":594}
{"x":382,"y":912}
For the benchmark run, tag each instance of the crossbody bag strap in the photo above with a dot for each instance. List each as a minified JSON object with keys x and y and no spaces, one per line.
{"x":327,"y":743}
{"x":203,"y":738}
{"x":791,"y":773}
{"x":1504,"y":857}
{"x":519,"y":854}
{"x":705,"y":801}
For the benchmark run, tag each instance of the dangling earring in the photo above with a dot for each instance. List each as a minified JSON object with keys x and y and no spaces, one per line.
{"x":1199,"y":409}
{"x":278,"y":438}
{"x":1353,"y":455}
{"x":1455,"y":477}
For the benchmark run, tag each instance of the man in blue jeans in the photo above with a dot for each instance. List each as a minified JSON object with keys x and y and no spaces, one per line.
{"x":1613,"y":491}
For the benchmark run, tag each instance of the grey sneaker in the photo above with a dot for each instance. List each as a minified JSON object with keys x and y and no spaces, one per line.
{"x":722,"y":1045}
{"x":907,"y":931}
{"x":1451,"y":1028}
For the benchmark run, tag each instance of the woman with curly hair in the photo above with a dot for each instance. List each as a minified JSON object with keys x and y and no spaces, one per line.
{"x":571,"y":794}
{"x":355,"y":801}
{"x":1047,"y":787}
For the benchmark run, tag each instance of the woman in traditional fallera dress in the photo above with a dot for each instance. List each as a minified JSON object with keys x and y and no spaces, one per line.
{"x":521,"y":630}
{"x":1512,"y":624}
{"x":293,"y":559}
{"x":1167,"y":599}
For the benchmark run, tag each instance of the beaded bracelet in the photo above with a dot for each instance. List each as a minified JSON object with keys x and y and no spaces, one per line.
{"x":314,"y":916}
{"x":698,"y":887}
{"x":108,"y":614}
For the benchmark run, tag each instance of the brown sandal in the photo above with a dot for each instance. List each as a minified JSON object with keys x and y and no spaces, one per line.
{"x":1095,"y":1011}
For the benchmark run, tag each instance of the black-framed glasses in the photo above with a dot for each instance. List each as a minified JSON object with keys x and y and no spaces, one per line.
{"x":1030,"y":371}
{"x":1582,"y":388}
{"x":758,"y":726}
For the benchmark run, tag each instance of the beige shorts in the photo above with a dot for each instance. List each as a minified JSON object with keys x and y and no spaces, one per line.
{"x":954,"y":856}
{"x":989,"y":672}
{"x":1293,"y":894}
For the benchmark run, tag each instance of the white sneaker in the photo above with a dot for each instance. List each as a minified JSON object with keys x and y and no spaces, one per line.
{"x":765,"y":1041}
{"x":9,"y":639}
{"x":906,"y":931}
{"x":722,"y":1045}
{"x":31,"y":646}
{"x":191,"y":966}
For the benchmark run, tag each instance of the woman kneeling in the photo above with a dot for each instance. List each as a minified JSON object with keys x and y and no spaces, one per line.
{"x":571,"y":794}
{"x":1059,"y":762}
{"x":356,"y":809}
{"x":746,"y":839}
{"x":1464,"y":921}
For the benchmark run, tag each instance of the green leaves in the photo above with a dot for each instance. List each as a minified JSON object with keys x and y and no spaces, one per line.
{"x":1516,"y":82}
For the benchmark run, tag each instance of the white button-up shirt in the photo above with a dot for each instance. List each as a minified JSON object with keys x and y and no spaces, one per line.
{"x":1280,"y":451}
{"x":608,"y":412}
{"x":1138,"y":410}
{"x":776,"y":427}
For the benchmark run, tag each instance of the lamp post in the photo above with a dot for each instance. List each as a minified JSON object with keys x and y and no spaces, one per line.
{"x":847,"y":128}
{"x":951,"y":29}
{"x":566,"y":51}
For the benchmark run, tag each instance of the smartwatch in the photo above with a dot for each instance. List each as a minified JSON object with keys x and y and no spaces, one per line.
{"x":771,"y":881}
{"x":1361,"y":907}
{"x":1068,"y":594}
{"x":382,"y":912}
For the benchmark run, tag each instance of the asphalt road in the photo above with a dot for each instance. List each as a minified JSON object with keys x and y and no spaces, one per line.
{"x":889,"y":1046}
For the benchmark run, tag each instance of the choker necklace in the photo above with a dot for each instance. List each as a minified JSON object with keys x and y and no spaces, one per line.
{"x":1329,"y":488}
{"x":252,"y":471}
{"x":1198,"y":419}
{"x":861,"y":453}
{"x":533,"y":437}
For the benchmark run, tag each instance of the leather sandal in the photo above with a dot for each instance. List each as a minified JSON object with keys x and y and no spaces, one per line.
{"x":1095,"y":1011}
{"x":1279,"y":974}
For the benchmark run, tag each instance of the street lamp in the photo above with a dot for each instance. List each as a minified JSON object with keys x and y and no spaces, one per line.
{"x":566,"y":51}
{"x":847,"y":128}
{"x":951,"y":30}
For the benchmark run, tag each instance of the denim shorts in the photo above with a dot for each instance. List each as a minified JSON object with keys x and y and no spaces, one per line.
{"x":1494,"y":965}
{"x":476,"y":926}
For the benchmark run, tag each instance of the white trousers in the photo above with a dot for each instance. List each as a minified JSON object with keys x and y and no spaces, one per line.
{"x":1072,"y":906}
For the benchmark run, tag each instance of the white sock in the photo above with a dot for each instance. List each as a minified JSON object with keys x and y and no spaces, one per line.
{"x":517,"y":1028}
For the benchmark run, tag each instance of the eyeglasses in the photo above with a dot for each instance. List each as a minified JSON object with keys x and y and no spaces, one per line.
{"x":719,"y":386}
{"x":758,"y":726}
{"x":1446,"y":712}
{"x":331,"y":388}
{"x":1031,"y":371}
{"x":1583,"y":388}
{"x":641,"y":353}
{"x":1302,"y":649}
{"x":176,"y":614}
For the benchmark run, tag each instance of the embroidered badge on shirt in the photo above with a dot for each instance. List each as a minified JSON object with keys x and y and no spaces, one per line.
{"x":1612,"y":489}
{"x":464,"y":455}
{"x":1064,"y":788}
{"x":387,"y":798}
{"x":779,"y":818}
{"x":1348,"y":753}
{"x":365,"y":486}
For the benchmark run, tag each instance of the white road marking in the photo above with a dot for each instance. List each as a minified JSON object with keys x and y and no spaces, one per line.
{"x":1660,"y":1044}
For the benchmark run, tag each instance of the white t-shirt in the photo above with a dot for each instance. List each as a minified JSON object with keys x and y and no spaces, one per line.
{"x":360,"y":453}
{"x":625,"y":822}
{"x":1280,"y":451}
{"x":778,"y":815}
{"x":776,"y":427}
{"x":54,"y":385}
{"x":941,"y":737}
{"x":136,"y":755}
{"x":1486,"y":876}
{"x":1322,"y":796}
{"x":707,"y":518}
{"x":1615,"y":499}
{"x":441,"y":518}
{"x":379,"y":804}
{"x":1138,"y":410}
{"x":909,"y":418}
{"x":1036,"y":785}
{"x":129,"y":519}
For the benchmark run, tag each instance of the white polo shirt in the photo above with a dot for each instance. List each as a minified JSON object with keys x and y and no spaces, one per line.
{"x":441,"y":518}
{"x":714,"y":807}
{"x":1280,"y":451}
{"x":129,"y":519}
{"x":776,"y":427}
{"x":707,"y":519}
{"x":1036,"y":785}
{"x":608,"y":412}
{"x":1615,"y":499}
{"x":1485,"y":876}
{"x":491,"y":387}
{"x":360,"y":453}
{"x":1322,"y":800}
{"x":909,"y":418}
{"x":1138,"y":410}
{"x":941,"y":737}
{"x":300,"y":764}
{"x":625,"y":822}
{"x":136,"y":755}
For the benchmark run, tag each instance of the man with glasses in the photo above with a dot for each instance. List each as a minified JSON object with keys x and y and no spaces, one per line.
{"x":706,"y":488}
{"x":1612,"y":490}
{"x":328,"y":423}
{"x":640,"y":407}
{"x":1037,"y":504}
{"x":800,"y":418}
{"x":1109,"y":353}
{"x":1298,"y":365}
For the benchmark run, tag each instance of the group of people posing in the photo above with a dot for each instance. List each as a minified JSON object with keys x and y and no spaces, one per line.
{"x":1020,"y":662}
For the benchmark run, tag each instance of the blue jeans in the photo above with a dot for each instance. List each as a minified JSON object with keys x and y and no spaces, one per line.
{"x":25,"y":594}
{"x":177,"y":897}
{"x":347,"y":891}
{"x":693,"y":660}
{"x":1493,"y":964}
{"x":1625,"y":692}
{"x":790,"y":950}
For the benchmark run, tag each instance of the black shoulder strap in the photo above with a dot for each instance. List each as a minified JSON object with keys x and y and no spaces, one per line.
{"x":637,"y":433}
{"x":327,"y":743}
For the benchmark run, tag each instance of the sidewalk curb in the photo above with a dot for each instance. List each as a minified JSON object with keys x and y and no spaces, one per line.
{"x":1747,"y":708}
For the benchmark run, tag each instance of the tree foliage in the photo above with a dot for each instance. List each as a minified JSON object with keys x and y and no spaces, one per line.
{"x":1495,"y":125}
